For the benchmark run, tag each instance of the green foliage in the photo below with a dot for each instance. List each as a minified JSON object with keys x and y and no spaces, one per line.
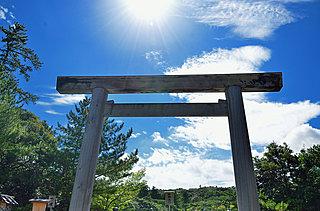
{"x":268,"y":204}
{"x":276,"y":169}
{"x":156,"y":194}
{"x":308,"y":178}
{"x":26,"y":156}
{"x":287,"y":180}
{"x":113,"y":172}
{"x":33,"y":165}
{"x":9,"y":127}
{"x":15,"y":57}
{"x":118,"y":195}
{"x":207,"y":198}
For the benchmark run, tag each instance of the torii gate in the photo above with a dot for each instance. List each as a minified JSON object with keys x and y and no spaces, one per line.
{"x":232,"y":84}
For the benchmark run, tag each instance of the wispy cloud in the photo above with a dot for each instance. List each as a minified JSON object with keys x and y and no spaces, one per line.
{"x":3,"y":12}
{"x":250,"y":19}
{"x":58,"y":99}
{"x":156,"y":58}
{"x":6,"y":15}
{"x":53,"y":112}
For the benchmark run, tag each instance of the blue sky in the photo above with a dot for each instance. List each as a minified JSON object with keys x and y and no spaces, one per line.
{"x":114,"y":37}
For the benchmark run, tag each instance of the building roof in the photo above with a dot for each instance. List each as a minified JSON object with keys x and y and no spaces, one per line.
{"x":7,"y":199}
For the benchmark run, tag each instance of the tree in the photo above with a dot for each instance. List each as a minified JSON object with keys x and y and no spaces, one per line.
{"x":156,"y":194}
{"x":27,"y":157}
{"x":15,"y":58}
{"x":268,"y":204}
{"x":144,"y":191}
{"x":308,"y":178}
{"x":27,"y":145}
{"x":119,"y":195}
{"x":275,"y":171}
{"x":288,"y":180}
{"x":9,"y":127}
{"x":114,"y":165}
{"x":205,"y":198}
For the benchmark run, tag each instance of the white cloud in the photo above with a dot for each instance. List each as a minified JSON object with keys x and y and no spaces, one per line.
{"x":156,"y":136}
{"x":251,"y":19}
{"x":155,"y":57}
{"x":270,"y":121}
{"x":65,"y":99}
{"x":6,"y":15}
{"x":294,"y":1}
{"x":53,"y":112}
{"x":170,"y":168}
{"x":11,"y":15}
{"x":255,"y":153}
{"x":190,"y":166}
{"x":3,"y":12}
{"x":221,"y":61}
{"x":135,"y":135}
{"x":166,"y":156}
{"x":303,"y":136}
{"x":267,"y":121}
{"x":203,"y":133}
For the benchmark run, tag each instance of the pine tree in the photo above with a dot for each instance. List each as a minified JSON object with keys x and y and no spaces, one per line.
{"x":113,"y":163}
{"x":15,"y":58}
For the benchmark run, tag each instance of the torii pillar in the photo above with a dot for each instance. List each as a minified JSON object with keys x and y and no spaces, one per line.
{"x":246,"y":187}
{"x":232,"y":84}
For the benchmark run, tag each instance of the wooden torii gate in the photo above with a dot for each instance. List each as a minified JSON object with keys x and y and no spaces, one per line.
{"x":232,"y":84}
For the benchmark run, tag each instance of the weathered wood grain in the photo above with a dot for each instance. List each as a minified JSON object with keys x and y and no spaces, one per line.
{"x":247,"y":195}
{"x":83,"y":184}
{"x":249,"y":82}
{"x":166,"y":109}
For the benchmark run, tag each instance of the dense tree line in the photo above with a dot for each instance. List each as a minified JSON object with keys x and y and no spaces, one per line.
{"x":287,"y":179}
{"x":204,"y":198}
{"x":37,"y":160}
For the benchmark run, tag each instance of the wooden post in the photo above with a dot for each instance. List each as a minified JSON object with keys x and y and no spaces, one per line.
{"x":39,"y":204}
{"x":83,"y":185}
{"x":247,"y":195}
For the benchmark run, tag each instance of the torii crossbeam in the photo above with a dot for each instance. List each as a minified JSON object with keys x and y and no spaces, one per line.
{"x":232,"y":84}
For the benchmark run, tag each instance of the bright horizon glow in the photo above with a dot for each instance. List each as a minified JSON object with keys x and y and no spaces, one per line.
{"x":148,"y":10}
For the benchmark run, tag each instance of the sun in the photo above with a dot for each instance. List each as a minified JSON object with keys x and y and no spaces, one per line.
{"x":148,"y":10}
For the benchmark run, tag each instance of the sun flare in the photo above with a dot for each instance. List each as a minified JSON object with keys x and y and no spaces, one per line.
{"x":148,"y":10}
